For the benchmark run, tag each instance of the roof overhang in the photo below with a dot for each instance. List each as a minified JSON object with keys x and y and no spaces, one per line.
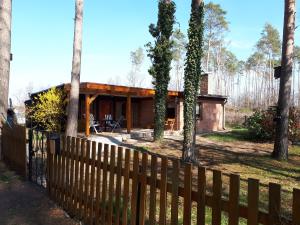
{"x":213,"y":98}
{"x":117,"y":90}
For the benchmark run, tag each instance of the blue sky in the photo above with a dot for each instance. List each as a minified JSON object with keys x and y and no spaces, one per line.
{"x":42,"y":36}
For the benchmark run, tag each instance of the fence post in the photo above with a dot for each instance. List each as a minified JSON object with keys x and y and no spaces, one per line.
{"x":30,"y":150}
{"x":138,"y":199}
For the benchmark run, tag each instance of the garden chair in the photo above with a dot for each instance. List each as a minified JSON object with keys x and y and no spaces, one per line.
{"x":117,"y":124}
{"x":111,"y":123}
{"x":94,"y":124}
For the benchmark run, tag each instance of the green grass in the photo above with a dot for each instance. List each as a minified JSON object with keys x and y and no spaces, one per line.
{"x":236,"y":134}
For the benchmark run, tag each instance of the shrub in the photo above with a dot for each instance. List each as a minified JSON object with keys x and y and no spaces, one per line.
{"x":255,"y":124}
{"x":261,"y":124}
{"x":47,"y":111}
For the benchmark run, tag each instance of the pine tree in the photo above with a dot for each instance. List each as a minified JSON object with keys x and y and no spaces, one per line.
{"x":192,"y":78}
{"x":72,"y":121}
{"x":284,"y":101}
{"x":5,"y":47}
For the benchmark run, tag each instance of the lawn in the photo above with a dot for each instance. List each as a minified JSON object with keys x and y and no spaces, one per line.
{"x":236,"y":134}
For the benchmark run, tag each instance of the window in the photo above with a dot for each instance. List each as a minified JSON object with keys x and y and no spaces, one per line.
{"x":170,"y":113}
{"x":199,"y":111}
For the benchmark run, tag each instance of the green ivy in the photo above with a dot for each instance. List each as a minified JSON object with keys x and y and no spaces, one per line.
{"x":161,"y":57}
{"x":192,"y":78}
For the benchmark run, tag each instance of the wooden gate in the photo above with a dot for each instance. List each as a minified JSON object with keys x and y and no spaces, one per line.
{"x":14,"y":147}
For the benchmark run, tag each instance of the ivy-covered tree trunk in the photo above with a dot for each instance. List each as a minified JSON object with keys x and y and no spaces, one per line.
{"x":282,"y":127}
{"x":192,"y":78}
{"x":72,"y":121}
{"x":161,"y":57}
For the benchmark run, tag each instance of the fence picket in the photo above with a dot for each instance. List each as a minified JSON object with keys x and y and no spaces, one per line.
{"x":86,"y":181}
{"x":118,"y":185}
{"x":163,"y":191}
{"x":187,"y":206}
{"x":59,"y":173}
{"x":111,"y":184}
{"x":217,"y":195}
{"x":76,"y":196}
{"x":175,"y":199}
{"x":233,"y":214}
{"x":126,"y":186}
{"x":104,"y":184}
{"x":63,"y":182}
{"x":274,"y":204}
{"x":92,"y":183}
{"x":81,"y":181}
{"x":201,"y":196}
{"x":98,"y":183}
{"x":72,"y":187}
{"x":134,"y":188}
{"x":152,"y":207}
{"x":296,"y":206}
{"x":143,"y":189}
{"x":253,"y":198}
{"x":68,"y":191}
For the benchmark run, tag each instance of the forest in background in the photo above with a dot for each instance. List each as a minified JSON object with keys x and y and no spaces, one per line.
{"x":248,"y":83}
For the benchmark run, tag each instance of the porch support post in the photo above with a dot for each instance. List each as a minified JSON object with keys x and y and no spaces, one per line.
{"x":223,"y":122}
{"x":128,"y":114}
{"x":87,"y":115}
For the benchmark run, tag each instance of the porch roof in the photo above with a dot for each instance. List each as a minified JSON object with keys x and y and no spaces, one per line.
{"x":107,"y":89}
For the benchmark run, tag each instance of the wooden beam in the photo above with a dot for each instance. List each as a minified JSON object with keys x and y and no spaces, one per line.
{"x":87,"y":115}
{"x":128,"y":114}
{"x":95,"y":88}
{"x":93,"y":98}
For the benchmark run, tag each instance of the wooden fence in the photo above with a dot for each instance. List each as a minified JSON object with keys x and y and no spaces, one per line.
{"x":102,"y":184}
{"x":14,"y":147}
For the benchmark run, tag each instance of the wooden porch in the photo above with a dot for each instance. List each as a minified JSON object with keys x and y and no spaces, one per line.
{"x":134,"y":104}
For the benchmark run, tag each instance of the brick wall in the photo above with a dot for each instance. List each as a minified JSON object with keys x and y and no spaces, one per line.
{"x":212,"y":117}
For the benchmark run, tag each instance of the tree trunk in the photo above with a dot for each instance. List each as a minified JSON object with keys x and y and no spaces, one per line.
{"x":208,"y":57}
{"x":281,"y":139}
{"x":5,"y":48}
{"x":72,"y":121}
{"x":192,"y":80}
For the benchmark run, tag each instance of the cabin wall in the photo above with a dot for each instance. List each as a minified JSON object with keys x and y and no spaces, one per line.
{"x":146,"y":115}
{"x":143,"y":112}
{"x":212,"y":117}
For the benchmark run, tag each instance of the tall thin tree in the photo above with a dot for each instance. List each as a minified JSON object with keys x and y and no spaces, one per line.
{"x":281,"y":139}
{"x":192,"y":78}
{"x":5,"y":48}
{"x":161,"y":57}
{"x":72,"y":121}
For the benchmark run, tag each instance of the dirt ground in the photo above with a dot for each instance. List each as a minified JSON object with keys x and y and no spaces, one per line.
{"x":249,"y":159}
{"x":23,"y":203}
